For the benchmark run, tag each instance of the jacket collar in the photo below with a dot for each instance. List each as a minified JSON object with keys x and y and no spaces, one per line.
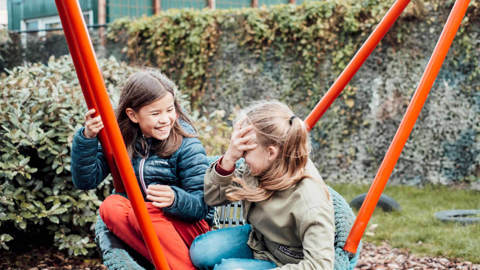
{"x":143,"y":146}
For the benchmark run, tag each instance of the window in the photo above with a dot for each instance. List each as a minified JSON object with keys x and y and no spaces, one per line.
{"x":55,"y":25}
{"x":32,"y":26}
{"x":86,"y":17}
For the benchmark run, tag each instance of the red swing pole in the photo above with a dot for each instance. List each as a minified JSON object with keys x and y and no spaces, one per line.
{"x":88,"y":95}
{"x":357,"y":61}
{"x":88,"y":71}
{"x":426,"y":82}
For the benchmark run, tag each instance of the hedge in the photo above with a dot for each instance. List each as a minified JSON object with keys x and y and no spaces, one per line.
{"x":227,"y":58}
{"x":41,"y":107}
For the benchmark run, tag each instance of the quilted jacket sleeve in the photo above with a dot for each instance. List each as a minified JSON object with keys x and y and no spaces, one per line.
{"x":216,"y":186}
{"x":89,"y":166}
{"x":191,"y":165}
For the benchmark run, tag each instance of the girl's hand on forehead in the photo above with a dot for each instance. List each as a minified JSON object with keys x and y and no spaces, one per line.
{"x":243,"y":139}
{"x":248,"y":136}
{"x":161,"y":195}
{"x":93,"y":125}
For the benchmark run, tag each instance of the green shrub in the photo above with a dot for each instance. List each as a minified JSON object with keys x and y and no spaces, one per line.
{"x":41,"y":106}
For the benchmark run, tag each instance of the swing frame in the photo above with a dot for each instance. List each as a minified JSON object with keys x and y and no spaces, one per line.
{"x":94,"y":91}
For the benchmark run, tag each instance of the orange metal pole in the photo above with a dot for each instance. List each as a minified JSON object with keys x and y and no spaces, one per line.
{"x":88,"y":95}
{"x":87,"y":69}
{"x":356,"y":62}
{"x":428,"y":78}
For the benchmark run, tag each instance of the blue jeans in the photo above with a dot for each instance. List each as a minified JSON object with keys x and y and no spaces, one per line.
{"x":226,"y":249}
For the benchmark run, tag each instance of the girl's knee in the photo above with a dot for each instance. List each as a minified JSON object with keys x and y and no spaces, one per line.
{"x":104,"y":210}
{"x":210,"y":248}
{"x":112,"y":208}
{"x":203,"y":253}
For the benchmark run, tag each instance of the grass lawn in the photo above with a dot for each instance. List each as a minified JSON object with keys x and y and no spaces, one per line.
{"x":415,"y":227}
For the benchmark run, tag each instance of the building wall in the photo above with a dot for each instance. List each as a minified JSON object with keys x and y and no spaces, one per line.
{"x":3,"y":13}
{"x":128,"y":8}
{"x":271,"y":2}
{"x":15,"y":13}
{"x":47,"y":8}
{"x":27,"y":14}
{"x":36,"y":14}
{"x":224,"y":4}
{"x":196,"y":4}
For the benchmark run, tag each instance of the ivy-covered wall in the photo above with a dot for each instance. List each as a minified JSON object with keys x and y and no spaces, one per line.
{"x":225,"y":59}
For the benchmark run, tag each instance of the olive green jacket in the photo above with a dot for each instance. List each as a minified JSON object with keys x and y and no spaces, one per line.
{"x":294,"y":228}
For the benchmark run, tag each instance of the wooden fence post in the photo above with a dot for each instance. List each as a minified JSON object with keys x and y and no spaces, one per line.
{"x":102,"y":20}
{"x":211,"y":4}
{"x":157,"y":6}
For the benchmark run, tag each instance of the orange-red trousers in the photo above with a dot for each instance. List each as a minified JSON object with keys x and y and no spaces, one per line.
{"x":175,"y":236}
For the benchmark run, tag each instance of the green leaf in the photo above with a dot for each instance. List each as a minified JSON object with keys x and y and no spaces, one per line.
{"x":54,"y":219}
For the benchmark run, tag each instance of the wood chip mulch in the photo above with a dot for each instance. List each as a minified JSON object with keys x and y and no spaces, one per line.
{"x":385,"y":257}
{"x":46,"y":258}
{"x":381,"y":257}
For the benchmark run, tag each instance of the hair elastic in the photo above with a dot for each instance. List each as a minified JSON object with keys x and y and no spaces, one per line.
{"x":291,"y":119}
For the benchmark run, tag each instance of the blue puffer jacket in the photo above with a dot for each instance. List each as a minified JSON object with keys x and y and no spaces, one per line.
{"x":184,"y":171}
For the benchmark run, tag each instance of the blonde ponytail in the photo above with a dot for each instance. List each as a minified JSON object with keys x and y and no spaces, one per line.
{"x":275,"y":124}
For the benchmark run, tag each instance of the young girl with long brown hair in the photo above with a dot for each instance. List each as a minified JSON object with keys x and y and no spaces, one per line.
{"x":286,"y":204}
{"x":169,"y":162}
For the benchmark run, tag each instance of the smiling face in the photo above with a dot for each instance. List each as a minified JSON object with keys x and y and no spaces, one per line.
{"x":155,"y":119}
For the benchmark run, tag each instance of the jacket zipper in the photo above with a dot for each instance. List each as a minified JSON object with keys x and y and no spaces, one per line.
{"x":142,"y":181}
{"x":140,"y":170}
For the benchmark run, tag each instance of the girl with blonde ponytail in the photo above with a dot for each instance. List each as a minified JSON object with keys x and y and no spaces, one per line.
{"x":287,"y":205}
